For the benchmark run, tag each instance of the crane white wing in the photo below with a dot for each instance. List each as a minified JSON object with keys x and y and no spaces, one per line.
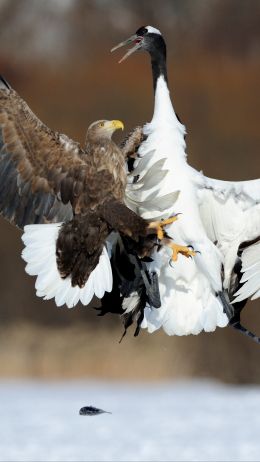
{"x":251,"y":274}
{"x":231,"y":215}
{"x":245,"y":193}
{"x":143,"y":189}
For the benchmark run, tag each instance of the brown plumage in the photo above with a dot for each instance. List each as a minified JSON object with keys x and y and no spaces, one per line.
{"x":97,"y":199}
{"x":45,"y":177}
{"x":33,"y":162}
{"x":44,"y":174}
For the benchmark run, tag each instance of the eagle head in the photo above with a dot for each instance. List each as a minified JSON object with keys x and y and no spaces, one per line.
{"x":103,"y":129}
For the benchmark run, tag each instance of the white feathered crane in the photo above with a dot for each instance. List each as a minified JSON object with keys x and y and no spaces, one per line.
{"x":220,"y":219}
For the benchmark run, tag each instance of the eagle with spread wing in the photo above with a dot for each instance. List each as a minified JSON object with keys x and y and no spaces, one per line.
{"x":69,"y":201}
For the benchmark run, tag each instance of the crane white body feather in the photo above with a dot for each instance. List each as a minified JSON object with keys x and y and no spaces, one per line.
{"x":216,"y":216}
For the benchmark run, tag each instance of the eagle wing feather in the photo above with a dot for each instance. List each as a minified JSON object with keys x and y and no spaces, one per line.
{"x":42,"y":172}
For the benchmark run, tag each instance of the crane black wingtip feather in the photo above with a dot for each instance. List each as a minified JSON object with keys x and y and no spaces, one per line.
{"x":236,"y":325}
{"x":233,"y":315}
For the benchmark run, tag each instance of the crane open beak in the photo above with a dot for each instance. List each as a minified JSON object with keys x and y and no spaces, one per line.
{"x":137,"y":40}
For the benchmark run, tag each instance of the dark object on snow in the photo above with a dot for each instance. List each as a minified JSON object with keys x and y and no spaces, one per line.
{"x":91,"y":410}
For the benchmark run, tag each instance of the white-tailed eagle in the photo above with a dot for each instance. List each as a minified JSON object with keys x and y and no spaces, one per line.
{"x":71,"y":203}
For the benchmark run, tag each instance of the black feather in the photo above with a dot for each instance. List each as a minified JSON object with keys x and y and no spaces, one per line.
{"x":130,"y":276}
{"x":233,"y":314}
{"x":91,"y":410}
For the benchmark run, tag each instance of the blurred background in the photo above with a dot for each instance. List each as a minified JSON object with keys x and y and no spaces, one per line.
{"x":56,"y":54}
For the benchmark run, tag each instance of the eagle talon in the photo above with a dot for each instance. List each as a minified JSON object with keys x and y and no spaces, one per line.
{"x":165,"y":239}
{"x":176,"y":249}
{"x":159,"y":225}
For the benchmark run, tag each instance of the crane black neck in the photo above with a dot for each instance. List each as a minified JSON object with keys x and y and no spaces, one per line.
{"x":157,"y":52}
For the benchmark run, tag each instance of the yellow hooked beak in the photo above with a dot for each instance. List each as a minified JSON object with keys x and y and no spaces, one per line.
{"x":117,"y":124}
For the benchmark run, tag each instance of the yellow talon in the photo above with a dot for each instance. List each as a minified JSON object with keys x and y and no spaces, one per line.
{"x":159,"y":225}
{"x":160,"y":234}
{"x":176,"y":249}
{"x":170,"y":220}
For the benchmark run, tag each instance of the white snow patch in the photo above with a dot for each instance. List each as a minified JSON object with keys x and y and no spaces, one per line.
{"x":156,"y":422}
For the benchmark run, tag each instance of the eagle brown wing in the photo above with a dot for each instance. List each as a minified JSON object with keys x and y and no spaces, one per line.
{"x":42,"y":173}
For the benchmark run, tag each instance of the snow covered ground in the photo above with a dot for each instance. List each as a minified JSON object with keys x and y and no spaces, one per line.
{"x":192,"y":421}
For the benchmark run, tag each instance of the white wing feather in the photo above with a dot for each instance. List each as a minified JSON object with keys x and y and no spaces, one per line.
{"x":230,"y":212}
{"x":144,"y":194}
{"x":40,"y":255}
{"x":188,"y":288}
{"x":251,"y":274}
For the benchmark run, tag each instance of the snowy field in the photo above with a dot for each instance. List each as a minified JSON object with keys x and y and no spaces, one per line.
{"x":192,"y":421}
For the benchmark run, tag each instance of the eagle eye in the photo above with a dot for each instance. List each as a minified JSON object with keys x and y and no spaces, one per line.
{"x":101,"y":124}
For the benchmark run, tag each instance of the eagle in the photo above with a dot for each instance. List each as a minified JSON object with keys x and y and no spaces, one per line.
{"x":71,"y":203}
{"x":221,"y":219}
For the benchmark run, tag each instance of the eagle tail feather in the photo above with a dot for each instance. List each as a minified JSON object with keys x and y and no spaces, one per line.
{"x":40,"y":256}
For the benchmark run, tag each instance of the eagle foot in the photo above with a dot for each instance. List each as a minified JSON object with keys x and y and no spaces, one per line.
{"x":187,"y":251}
{"x":159,"y":225}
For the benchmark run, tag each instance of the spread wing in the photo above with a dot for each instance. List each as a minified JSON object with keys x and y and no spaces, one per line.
{"x":230,"y":210}
{"x":42,"y":172}
{"x":144,"y":178}
{"x":231,"y":215}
